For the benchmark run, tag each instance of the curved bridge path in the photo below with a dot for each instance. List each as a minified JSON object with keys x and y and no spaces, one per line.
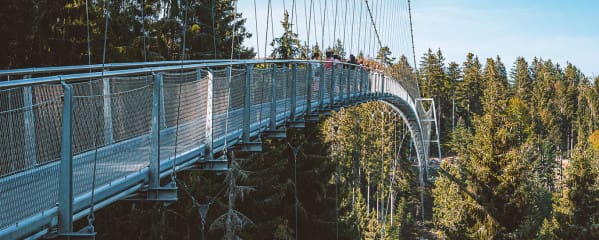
{"x":118,"y":129}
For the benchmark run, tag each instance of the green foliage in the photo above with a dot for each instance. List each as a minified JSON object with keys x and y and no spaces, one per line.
{"x":384,"y":56}
{"x":52,"y":33}
{"x":371,"y":146}
{"x":469,"y":90}
{"x":287,"y":46}
{"x":577,"y":209}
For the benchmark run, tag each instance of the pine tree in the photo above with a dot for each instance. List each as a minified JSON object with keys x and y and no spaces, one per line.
{"x":287,"y":46}
{"x":469,"y":91}
{"x":454,"y":75}
{"x":493,"y":173}
{"x":522,"y":81}
{"x":577,"y":211}
{"x":384,"y":56}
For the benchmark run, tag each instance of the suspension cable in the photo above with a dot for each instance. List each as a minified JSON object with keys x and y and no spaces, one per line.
{"x":309,"y":24}
{"x":106,"y":17}
{"x":351,"y":39}
{"x":257,"y":35}
{"x":374,"y":24}
{"x":143,"y":28}
{"x":345,"y":24}
{"x":335,"y":24}
{"x":90,"y":215}
{"x":229,"y":79}
{"x":413,"y":49}
{"x":360,"y":28}
{"x":293,"y":15}
{"x":180,"y":83}
{"x":214,"y":29}
{"x":268,"y":12}
{"x":324,"y":18}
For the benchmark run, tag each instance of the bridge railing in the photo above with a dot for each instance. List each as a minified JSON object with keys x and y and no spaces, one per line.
{"x":112,"y":124}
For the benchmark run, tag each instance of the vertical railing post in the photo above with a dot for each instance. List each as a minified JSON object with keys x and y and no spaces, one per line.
{"x":348,"y":83}
{"x":321,"y":87}
{"x":247,"y":103}
{"x":209,"y":96}
{"x":65,"y":184}
{"x":29,"y":131}
{"x":108,"y":131}
{"x":382,"y":84}
{"x":293,"y":92}
{"x":161,"y":103}
{"x":351,"y":82}
{"x":154,"y":178}
{"x":309,"y":89}
{"x":273,"y":99}
{"x":362,"y":83}
{"x":228,"y":71}
{"x":342,"y":83}
{"x":332,"y":87}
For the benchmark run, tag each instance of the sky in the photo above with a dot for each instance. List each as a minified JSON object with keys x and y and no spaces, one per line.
{"x":563,"y":31}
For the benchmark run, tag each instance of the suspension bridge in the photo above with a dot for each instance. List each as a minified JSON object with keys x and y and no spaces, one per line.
{"x":75,"y":139}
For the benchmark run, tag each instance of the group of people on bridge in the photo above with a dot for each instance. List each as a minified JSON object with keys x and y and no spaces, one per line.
{"x":331,"y":61}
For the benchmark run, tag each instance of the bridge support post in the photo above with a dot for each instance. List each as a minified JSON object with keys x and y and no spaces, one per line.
{"x":29,"y":133}
{"x":293,"y":122}
{"x":321,"y":87}
{"x":108,"y":130}
{"x":247,"y":104}
{"x":342,"y":84}
{"x":332,"y":87}
{"x":293,"y":92}
{"x":308,"y":116}
{"x":362,"y":83}
{"x":273,"y":98}
{"x":65,"y":183}
{"x":155,"y":192}
{"x":273,"y":132}
{"x":382,"y":84}
{"x":209,"y":96}
{"x":348,"y":85}
{"x":247,"y":145}
{"x":309,"y":89}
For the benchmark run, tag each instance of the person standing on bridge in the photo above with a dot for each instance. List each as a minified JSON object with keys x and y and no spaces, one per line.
{"x":315,"y":72}
{"x":328,"y":64}
{"x":352,"y":61}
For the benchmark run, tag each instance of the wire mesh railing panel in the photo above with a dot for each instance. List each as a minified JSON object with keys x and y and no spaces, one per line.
{"x":176,"y":87}
{"x":288,"y":88}
{"x":260,"y":94}
{"x":26,"y":187}
{"x":281,"y":98}
{"x":237,"y":87}
{"x":326,"y":84}
{"x":123,"y":84}
{"x":301,"y":82}
{"x":185,"y":113}
{"x":130,"y":105}
{"x":342,"y":82}
{"x":131,"y":113}
{"x":113,"y":160}
{"x":337,"y":81}
{"x":220,"y":96}
{"x":12,"y":130}
{"x":88,"y":116}
{"x":48,"y":122}
{"x":317,"y":77}
{"x":355,"y":81}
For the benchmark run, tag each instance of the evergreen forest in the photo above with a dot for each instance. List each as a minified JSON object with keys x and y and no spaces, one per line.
{"x":519,"y":137}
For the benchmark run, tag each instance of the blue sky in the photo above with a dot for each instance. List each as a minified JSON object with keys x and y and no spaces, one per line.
{"x":564,"y":31}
